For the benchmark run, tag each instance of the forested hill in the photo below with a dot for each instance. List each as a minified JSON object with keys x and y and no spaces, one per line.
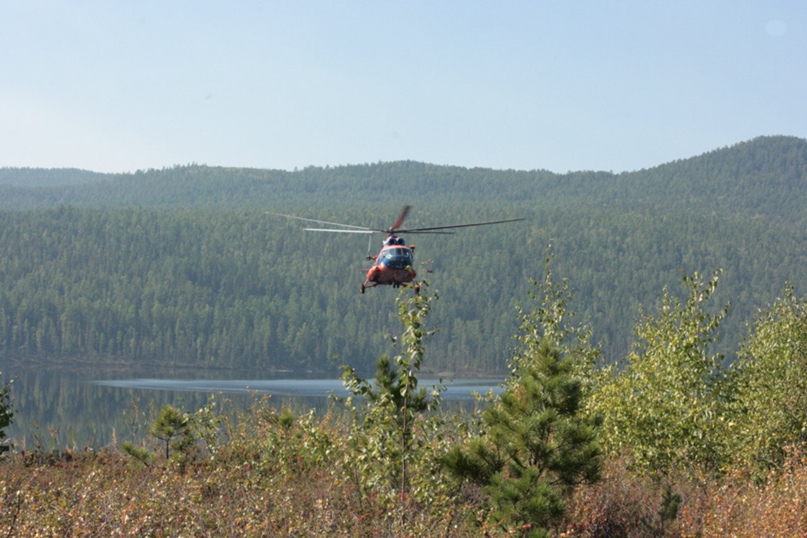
{"x":183,"y":264}
{"x":765,"y":177}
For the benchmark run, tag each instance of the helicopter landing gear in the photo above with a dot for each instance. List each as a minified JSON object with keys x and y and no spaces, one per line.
{"x":367,"y":284}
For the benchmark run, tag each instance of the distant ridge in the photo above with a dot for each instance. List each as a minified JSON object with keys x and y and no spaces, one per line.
{"x":766,"y":177}
{"x":763,"y":177}
{"x":47,"y":177}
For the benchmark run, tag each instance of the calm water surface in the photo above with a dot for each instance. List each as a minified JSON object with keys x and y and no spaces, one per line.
{"x":59,"y":407}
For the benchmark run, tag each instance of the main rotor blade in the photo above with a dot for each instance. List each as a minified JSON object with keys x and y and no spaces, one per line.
{"x":366,"y":230}
{"x":400,"y":218}
{"x":432,"y":228}
{"x":339,"y":231}
{"x":391,"y":231}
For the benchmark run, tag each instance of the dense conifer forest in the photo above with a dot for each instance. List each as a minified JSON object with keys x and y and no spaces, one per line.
{"x":183,"y":264}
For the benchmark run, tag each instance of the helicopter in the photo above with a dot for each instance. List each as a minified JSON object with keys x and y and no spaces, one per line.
{"x":394,"y":263}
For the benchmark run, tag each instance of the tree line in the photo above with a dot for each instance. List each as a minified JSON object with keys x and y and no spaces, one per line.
{"x":242,"y":289}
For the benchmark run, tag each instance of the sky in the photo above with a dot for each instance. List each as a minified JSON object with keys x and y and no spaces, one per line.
{"x":121,"y":86}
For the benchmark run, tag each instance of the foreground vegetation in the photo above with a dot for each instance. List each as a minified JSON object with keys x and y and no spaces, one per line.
{"x":667,"y":444}
{"x":255,"y":487}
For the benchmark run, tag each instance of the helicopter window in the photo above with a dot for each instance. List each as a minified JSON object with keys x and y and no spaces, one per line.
{"x":398,"y":258}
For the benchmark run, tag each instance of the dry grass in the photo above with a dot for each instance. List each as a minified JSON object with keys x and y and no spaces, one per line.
{"x":264,"y":482}
{"x":737,"y":505}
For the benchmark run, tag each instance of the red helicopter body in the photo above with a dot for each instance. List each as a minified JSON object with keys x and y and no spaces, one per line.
{"x":393,"y":266}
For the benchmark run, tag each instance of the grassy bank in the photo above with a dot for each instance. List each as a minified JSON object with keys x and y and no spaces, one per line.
{"x":276,"y":474}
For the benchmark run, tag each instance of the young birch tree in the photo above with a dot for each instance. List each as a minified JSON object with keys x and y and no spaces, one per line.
{"x":667,"y":403}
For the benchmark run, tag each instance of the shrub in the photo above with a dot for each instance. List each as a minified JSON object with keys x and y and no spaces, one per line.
{"x":667,"y":403}
{"x":6,"y":415}
{"x":771,"y":385}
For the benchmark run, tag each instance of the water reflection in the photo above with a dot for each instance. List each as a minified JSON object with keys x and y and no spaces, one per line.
{"x":305,"y":388}
{"x":57,"y":408}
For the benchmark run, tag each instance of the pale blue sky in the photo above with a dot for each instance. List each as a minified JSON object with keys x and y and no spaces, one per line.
{"x":115,"y":86}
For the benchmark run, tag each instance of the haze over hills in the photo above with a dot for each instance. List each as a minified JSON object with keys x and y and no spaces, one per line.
{"x":182,"y":263}
{"x":764,"y":176}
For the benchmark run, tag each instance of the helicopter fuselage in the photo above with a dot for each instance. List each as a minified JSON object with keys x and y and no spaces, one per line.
{"x":393,"y":266}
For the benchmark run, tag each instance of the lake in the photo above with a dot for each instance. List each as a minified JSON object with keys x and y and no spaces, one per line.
{"x":62,"y":407}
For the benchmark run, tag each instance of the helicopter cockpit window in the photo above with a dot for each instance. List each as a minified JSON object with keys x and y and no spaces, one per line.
{"x":398,"y":258}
